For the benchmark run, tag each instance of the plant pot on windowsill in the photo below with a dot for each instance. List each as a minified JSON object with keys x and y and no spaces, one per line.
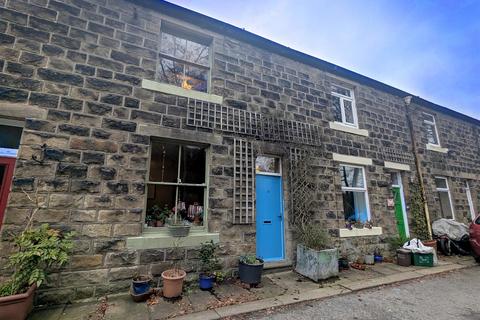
{"x":17,"y":306}
{"x":250,"y":269}
{"x":178,"y":230}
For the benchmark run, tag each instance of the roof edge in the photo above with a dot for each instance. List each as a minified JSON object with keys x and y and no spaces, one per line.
{"x":227,"y":29}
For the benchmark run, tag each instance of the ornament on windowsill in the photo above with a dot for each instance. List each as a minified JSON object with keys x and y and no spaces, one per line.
{"x":390,"y":203}
{"x":195,"y":213}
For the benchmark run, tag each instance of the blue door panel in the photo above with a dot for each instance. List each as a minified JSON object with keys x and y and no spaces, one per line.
{"x":269,"y":219}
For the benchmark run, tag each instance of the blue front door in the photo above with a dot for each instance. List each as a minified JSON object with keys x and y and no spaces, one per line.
{"x":269,"y":217}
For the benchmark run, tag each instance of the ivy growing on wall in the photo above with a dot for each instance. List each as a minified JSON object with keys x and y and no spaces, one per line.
{"x":417,"y":208}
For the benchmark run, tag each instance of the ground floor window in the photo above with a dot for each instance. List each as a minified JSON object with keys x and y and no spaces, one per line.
{"x":445,"y":198}
{"x":470,"y":200}
{"x":354,"y":192}
{"x":176,"y":186}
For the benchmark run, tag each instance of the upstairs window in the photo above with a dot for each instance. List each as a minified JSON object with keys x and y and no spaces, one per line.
{"x":445,"y":198}
{"x":184,"y":60}
{"x":431,"y":129}
{"x":344,"y":106}
{"x":176,"y":185}
{"x":354,"y":192}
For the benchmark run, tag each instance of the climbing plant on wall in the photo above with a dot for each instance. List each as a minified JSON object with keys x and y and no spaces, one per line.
{"x":419,"y":222}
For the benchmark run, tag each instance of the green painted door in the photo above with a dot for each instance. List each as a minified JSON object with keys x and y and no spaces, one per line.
{"x":399,"y":212}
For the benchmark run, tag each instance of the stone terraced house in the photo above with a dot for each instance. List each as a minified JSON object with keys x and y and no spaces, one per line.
{"x":111,"y":110}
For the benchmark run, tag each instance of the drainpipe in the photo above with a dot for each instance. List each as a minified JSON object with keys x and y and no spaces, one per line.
{"x":408,"y":100}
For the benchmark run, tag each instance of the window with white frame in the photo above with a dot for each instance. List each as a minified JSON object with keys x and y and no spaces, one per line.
{"x":445,"y":198}
{"x":470,"y":200}
{"x":431,"y":129}
{"x":184,"y":59}
{"x":176,"y":185}
{"x":355,"y":195}
{"x":344,"y":108}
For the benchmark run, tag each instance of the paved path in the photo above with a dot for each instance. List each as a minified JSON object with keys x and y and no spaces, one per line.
{"x":441,"y":297}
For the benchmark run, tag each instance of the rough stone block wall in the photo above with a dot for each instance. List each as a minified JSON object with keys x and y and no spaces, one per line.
{"x":460,"y":165}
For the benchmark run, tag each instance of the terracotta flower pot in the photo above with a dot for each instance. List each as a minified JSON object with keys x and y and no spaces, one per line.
{"x":173,"y":282}
{"x":18,"y":306}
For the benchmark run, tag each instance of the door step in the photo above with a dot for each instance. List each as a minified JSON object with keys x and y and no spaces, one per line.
{"x":278,"y":266}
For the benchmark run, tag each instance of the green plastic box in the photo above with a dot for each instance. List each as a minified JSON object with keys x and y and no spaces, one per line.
{"x":423,"y":259}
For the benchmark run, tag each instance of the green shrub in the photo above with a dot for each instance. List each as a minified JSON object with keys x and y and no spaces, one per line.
{"x":250,"y":259}
{"x":208,"y":257}
{"x":314,"y":237}
{"x":39,"y":250}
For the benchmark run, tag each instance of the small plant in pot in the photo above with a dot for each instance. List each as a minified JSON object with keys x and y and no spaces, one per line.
{"x":250,"y":269}
{"x":173,"y":278}
{"x":178,"y":227}
{"x":39,"y":250}
{"x":316,"y":259}
{"x":161,"y":216}
{"x":140,"y":289}
{"x":209,"y":264}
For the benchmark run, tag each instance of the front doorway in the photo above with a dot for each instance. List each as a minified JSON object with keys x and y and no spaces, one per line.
{"x":10,"y":134}
{"x":400,"y":207}
{"x":269,"y":209}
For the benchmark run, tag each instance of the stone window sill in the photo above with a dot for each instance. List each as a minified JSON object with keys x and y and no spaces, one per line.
{"x":177,"y":91}
{"x":435,"y":148}
{"x":341,"y":127}
{"x":397,"y":166}
{"x":161,"y":241}
{"x":365,"y":232}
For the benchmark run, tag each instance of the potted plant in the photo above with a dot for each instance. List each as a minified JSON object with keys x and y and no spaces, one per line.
{"x":315,"y":257}
{"x":39,"y":250}
{"x":157,"y":216}
{"x":173,"y":278}
{"x":141,"y":284}
{"x":377,"y":255}
{"x":178,"y":228}
{"x":208,"y":264}
{"x":161,"y":216}
{"x":250,"y":269}
{"x":369,"y":259}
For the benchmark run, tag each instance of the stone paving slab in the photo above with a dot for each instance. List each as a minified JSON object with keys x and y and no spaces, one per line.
{"x":200,"y":300}
{"x":277,"y":289}
{"x":119,"y":307}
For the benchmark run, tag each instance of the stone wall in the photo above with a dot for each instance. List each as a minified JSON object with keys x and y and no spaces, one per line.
{"x":83,"y":62}
{"x":459,"y":165}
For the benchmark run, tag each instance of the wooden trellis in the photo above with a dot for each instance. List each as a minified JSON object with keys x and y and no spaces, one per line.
{"x":244,"y":182}
{"x":395,"y":155}
{"x":302,"y":188}
{"x":264,"y":127}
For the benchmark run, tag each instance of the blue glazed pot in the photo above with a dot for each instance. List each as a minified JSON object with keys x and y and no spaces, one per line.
{"x":205,"y":282}
{"x":378,"y":258}
{"x":141,"y":285}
